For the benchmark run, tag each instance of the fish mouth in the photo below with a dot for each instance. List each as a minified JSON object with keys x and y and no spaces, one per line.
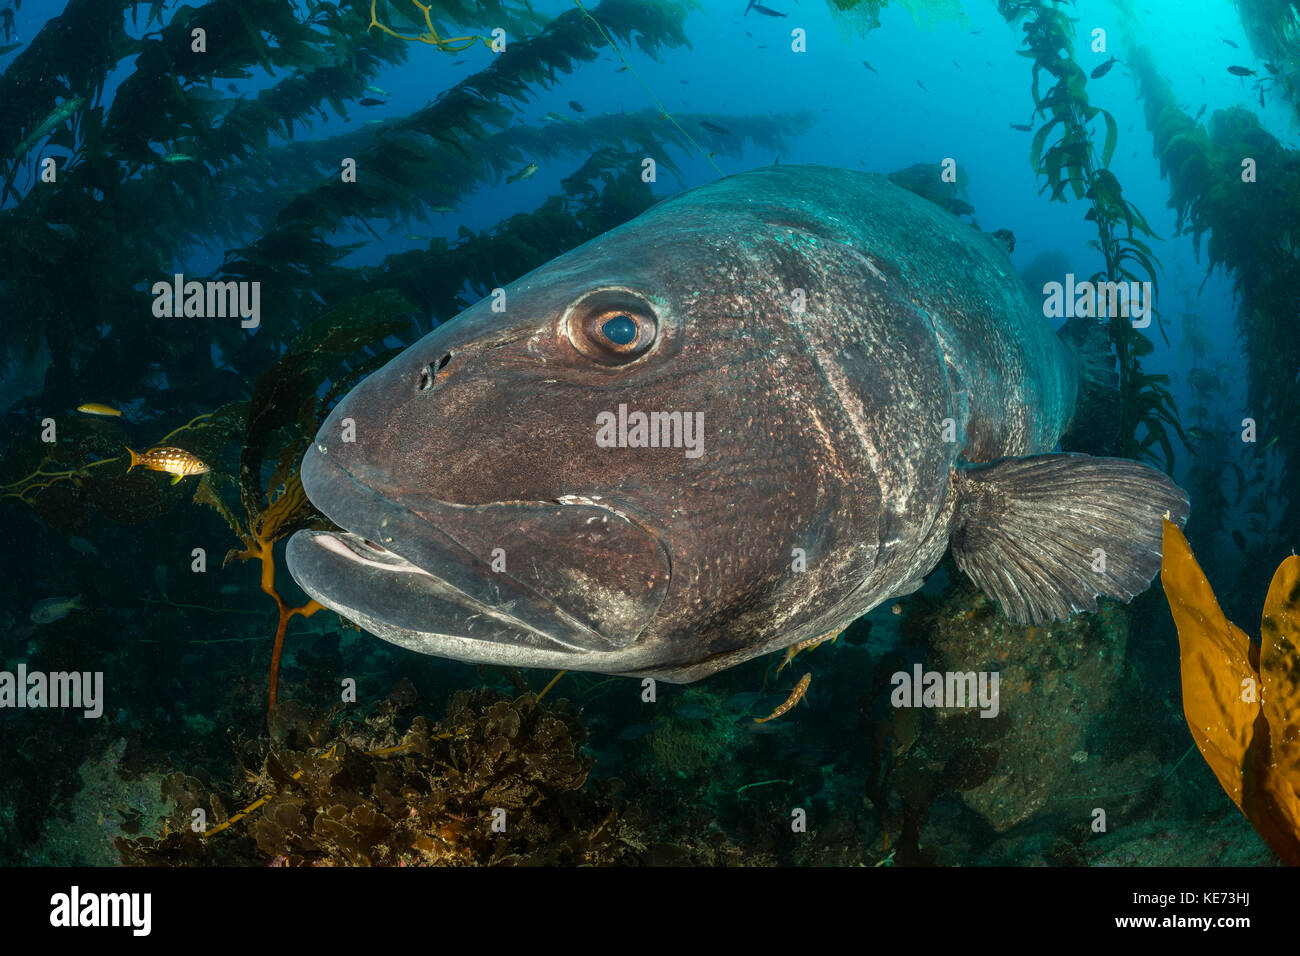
{"x":520,"y":583}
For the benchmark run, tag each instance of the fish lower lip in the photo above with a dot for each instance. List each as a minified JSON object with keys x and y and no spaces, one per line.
{"x":380,"y":587}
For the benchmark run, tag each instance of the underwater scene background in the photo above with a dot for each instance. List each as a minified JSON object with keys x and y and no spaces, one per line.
{"x":379,"y":166}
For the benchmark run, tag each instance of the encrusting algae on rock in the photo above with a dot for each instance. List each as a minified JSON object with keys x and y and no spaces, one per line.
{"x":1241,"y":699}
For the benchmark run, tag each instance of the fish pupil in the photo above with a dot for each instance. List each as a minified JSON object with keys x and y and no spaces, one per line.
{"x":620,"y":330}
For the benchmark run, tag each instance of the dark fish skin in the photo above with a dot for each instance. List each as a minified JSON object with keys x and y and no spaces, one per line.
{"x":370,"y":101}
{"x":1022,"y":127}
{"x":821,"y":433}
{"x":1241,"y":71}
{"x":715,"y":128}
{"x":1102,"y":70}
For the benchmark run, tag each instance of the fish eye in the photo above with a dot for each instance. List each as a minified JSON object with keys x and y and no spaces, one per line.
{"x":612,"y":326}
{"x":620,"y":330}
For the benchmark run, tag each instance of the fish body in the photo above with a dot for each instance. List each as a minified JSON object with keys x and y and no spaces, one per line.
{"x":715,"y":128}
{"x":95,"y":408}
{"x":577,"y":107}
{"x":819,"y":331}
{"x":55,"y":609}
{"x":1241,"y":71}
{"x":376,"y":90}
{"x":370,"y":101}
{"x":525,"y":173}
{"x":176,"y":462}
{"x":1102,"y":70}
{"x":1022,"y":127}
{"x":56,"y":118}
{"x":765,"y":11}
{"x":174,"y":158}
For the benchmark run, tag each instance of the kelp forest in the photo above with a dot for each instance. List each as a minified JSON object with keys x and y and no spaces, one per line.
{"x":149,"y":472}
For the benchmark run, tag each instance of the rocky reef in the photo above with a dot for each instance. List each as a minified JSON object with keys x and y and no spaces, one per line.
{"x":497,"y":781}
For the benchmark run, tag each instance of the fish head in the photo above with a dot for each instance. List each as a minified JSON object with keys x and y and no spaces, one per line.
{"x":493,"y":513}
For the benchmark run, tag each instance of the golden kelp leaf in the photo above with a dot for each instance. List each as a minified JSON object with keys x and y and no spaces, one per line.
{"x":285,"y":513}
{"x":1279,"y":661}
{"x":1216,"y":663}
{"x":1243,"y":703}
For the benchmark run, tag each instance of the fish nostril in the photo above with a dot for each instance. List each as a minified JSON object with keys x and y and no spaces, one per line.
{"x":430,"y":372}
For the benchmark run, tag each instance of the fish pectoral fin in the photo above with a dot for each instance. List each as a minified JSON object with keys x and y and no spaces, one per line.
{"x":1045,"y":535}
{"x":176,"y":479}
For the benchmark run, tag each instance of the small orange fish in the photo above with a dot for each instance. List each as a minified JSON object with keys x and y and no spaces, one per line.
{"x":794,"y":649}
{"x":176,"y":462}
{"x":95,"y":408}
{"x":796,"y":695}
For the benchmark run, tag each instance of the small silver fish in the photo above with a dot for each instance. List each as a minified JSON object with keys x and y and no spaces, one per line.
{"x":376,"y":90}
{"x":54,"y":609}
{"x":57,"y":118}
{"x":84,"y":546}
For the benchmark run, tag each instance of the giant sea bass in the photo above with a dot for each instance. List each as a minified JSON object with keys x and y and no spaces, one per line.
{"x":869,"y":384}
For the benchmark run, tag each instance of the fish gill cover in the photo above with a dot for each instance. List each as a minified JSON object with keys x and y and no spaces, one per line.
{"x":585,"y":348}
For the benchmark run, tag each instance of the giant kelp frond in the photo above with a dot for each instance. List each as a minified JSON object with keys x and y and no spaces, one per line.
{"x":1242,"y":700}
{"x":1273,"y":27}
{"x":161,"y":102}
{"x":70,"y":56}
{"x":422,"y":22}
{"x":461,"y":114}
{"x":1063,"y":152}
{"x":278,"y":424}
{"x":1251,"y":224}
{"x":417,"y":176}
